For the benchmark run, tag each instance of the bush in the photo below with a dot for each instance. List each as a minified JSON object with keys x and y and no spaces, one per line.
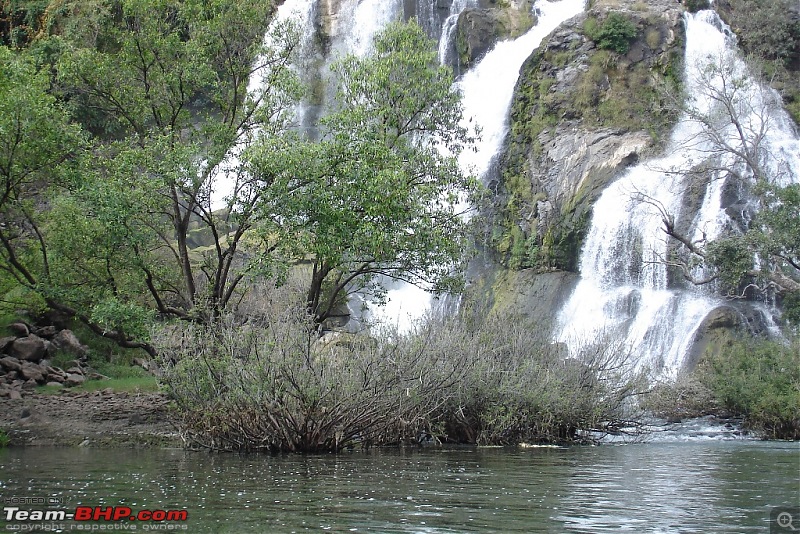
{"x":271,"y":384}
{"x":759,"y":380}
{"x":615,"y":33}
{"x":4,"y":439}
{"x":693,"y":6}
{"x":686,"y":397}
{"x":520,"y":387}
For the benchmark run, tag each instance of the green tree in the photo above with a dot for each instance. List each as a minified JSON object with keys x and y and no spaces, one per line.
{"x":376,"y":198}
{"x":103,"y":229}
{"x":615,"y":33}
{"x":173,"y":93}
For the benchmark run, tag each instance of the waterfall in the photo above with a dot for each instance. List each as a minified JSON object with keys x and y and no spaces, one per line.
{"x":487,"y":90}
{"x":625,"y":292}
{"x":488,"y":87}
{"x":447,"y":41}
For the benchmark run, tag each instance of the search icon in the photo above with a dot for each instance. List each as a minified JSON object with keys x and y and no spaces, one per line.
{"x":785,"y":520}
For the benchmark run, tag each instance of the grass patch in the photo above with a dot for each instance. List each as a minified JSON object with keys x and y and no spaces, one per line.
{"x":4,"y":439}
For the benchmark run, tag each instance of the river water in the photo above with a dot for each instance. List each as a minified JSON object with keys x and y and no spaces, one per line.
{"x":696,"y":486}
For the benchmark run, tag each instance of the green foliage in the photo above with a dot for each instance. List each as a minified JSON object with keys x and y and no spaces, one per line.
{"x":101,"y":233}
{"x":761,"y":381}
{"x":766,"y":29}
{"x":732,"y":257}
{"x":773,"y":236}
{"x":5,"y":440}
{"x":615,"y":32}
{"x":694,"y":6}
{"x":791,"y":308}
{"x":377,"y":196}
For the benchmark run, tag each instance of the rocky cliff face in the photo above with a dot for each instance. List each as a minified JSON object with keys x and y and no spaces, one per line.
{"x":585,"y":108}
{"x":478,"y":29}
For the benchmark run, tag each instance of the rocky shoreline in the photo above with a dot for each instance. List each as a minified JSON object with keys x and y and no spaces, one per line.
{"x":25,"y":359}
{"x":98,"y":419}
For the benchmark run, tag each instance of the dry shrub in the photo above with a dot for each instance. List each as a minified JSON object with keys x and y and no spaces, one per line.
{"x":265,"y":381}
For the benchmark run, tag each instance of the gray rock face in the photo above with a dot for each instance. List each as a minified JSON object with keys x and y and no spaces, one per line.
{"x":580,"y":116}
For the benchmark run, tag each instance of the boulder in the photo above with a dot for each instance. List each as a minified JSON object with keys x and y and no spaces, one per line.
{"x":66,"y":340}
{"x":5,"y":343}
{"x":10,"y":363}
{"x":31,"y":371}
{"x":14,"y":395}
{"x":31,"y":348}
{"x":716,"y":333}
{"x":19,"y":329}
{"x":74,"y":379}
{"x":46,"y":332}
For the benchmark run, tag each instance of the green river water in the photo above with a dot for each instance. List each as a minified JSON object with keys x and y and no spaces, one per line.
{"x":695,"y":486}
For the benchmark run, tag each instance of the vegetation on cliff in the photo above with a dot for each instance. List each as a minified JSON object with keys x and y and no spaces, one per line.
{"x":604,"y":73}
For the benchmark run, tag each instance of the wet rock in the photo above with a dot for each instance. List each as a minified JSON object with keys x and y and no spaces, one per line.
{"x":31,"y":348}
{"x":479,"y":29}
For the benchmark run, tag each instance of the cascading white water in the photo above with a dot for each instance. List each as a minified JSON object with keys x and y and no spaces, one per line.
{"x":624,"y":291}
{"x":487,"y":90}
{"x":361,"y":20}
